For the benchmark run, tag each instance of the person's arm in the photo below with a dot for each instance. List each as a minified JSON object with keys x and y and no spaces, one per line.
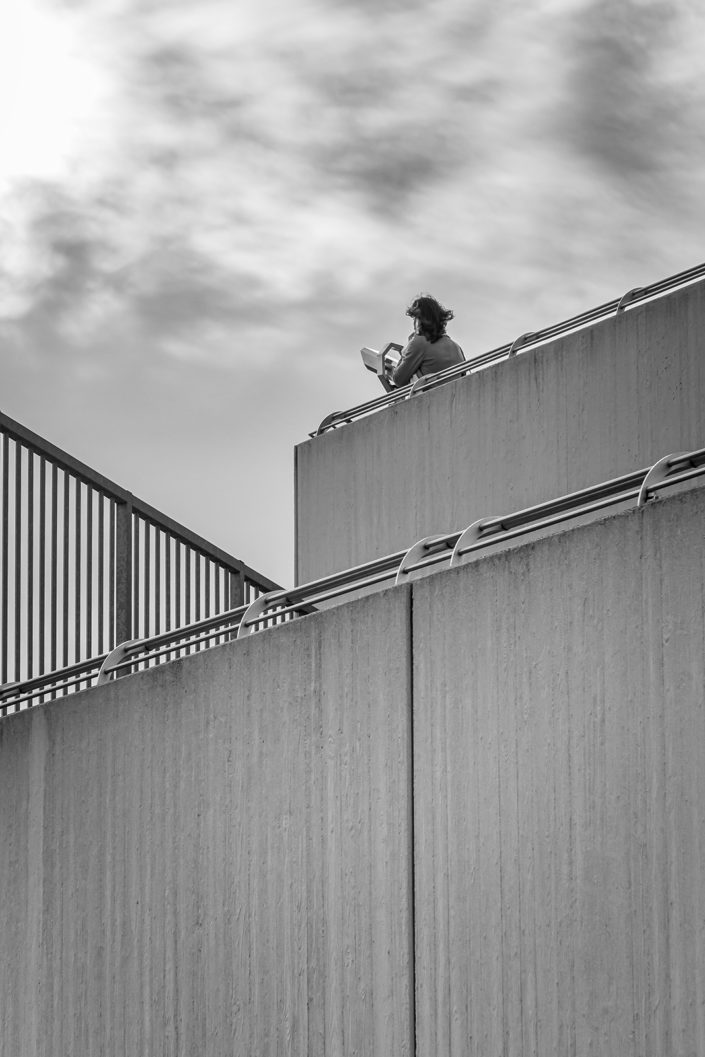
{"x":410,"y":360}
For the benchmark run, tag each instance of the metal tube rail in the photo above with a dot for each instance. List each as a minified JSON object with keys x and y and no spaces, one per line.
{"x":502,"y":532}
{"x":347,"y":576}
{"x":218,"y":625}
{"x":577,"y":322}
{"x":39,"y":691}
{"x":614,"y":487}
{"x":51,"y":677}
{"x":642,"y":485}
{"x":554,"y":512}
{"x":587,"y":500}
{"x":220,"y":620}
{"x":619,"y":489}
{"x":547,"y":522}
{"x":175,"y":640}
{"x":686,"y":475}
{"x":132,"y":661}
{"x":315,"y":598}
{"x":15,"y":694}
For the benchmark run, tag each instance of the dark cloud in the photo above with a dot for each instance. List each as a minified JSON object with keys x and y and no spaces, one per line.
{"x":73,"y":253}
{"x":66,"y":248}
{"x":82,"y":302}
{"x":625,"y":116}
{"x":373,"y":141}
{"x":269,"y":184}
{"x":248,"y":161}
{"x":179,"y":82}
{"x":388,"y":169}
{"x":398,"y":107}
{"x":382,"y":7}
{"x":178,"y":291}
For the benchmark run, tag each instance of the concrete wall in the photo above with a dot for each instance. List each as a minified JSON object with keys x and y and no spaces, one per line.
{"x":212,"y":858}
{"x":559,"y":733}
{"x":215,"y":857}
{"x":587,"y":407}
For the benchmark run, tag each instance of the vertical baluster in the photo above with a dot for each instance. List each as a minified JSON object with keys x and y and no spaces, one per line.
{"x":4,"y":584}
{"x":30,"y":564}
{"x":147,"y":578}
{"x":65,"y":573}
{"x":224,"y":588}
{"x":188,"y":587}
{"x":17,"y":624}
{"x":167,"y":585}
{"x":101,"y":572}
{"x":112,"y":577}
{"x":54,"y":570}
{"x":218,"y":573}
{"x":213,"y":572}
{"x":177,"y":585}
{"x":122,"y":608}
{"x":136,"y":564}
{"x":209,"y":572}
{"x":42,"y":564}
{"x":234,"y":589}
{"x":197,"y":561}
{"x":77,"y":572}
{"x":211,"y":588}
{"x":223,"y":591}
{"x":157,"y":579}
{"x":89,"y":571}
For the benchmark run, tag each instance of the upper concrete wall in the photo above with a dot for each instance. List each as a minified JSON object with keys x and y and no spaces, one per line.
{"x":213,"y":857}
{"x":559,"y":740}
{"x":589,"y":406}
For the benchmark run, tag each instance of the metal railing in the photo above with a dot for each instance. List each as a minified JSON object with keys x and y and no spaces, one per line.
{"x":504,"y":352}
{"x":279,"y":605}
{"x":84,"y":565}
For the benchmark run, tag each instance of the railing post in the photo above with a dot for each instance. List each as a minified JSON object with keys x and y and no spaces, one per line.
{"x":123,"y":572}
{"x":237,"y":589}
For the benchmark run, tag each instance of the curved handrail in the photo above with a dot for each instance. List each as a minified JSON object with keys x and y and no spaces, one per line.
{"x":531,"y":338}
{"x":450,"y":549}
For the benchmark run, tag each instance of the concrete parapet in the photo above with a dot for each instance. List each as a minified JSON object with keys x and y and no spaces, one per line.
{"x":213,"y":857}
{"x":559,"y":733}
{"x":587,"y":407}
{"x":456,"y":818}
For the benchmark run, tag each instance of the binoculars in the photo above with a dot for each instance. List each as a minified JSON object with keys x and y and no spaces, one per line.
{"x":382,"y":363}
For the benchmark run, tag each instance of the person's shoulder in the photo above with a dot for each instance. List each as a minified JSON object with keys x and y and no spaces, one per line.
{"x":450,"y":343}
{"x":417,"y":343}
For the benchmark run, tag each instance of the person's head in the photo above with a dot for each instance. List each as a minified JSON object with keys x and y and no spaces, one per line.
{"x":430,"y":315}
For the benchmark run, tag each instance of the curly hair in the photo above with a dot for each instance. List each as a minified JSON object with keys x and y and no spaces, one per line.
{"x":432,"y":316}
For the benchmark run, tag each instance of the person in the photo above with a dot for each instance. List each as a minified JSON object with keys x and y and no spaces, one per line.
{"x":429,"y":348}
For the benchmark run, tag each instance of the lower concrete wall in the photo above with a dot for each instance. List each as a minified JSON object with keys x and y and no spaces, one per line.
{"x":213,"y":858}
{"x":559,"y":739}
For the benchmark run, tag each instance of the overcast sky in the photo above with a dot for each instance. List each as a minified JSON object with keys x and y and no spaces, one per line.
{"x":207,"y":208}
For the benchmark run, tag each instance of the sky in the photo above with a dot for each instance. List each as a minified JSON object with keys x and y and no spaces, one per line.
{"x":207,"y":209}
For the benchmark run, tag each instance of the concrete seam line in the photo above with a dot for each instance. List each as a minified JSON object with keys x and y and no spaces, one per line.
{"x":413,"y":1041}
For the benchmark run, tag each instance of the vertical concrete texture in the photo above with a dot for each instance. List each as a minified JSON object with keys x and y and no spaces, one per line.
{"x":559,"y":740}
{"x":213,"y":858}
{"x":587,"y":407}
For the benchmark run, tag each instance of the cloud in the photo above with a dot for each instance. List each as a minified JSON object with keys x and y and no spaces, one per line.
{"x":638,"y":100}
{"x":263,"y":187}
{"x":276,"y":170}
